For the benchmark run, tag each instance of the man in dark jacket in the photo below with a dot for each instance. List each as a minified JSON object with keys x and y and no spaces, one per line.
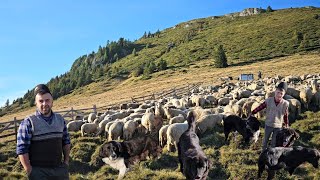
{"x":43,"y":142}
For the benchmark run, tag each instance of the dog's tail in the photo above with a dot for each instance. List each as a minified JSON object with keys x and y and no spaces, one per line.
{"x":191,"y":121}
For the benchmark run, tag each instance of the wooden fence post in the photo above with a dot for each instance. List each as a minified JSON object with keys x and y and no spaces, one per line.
{"x":15,"y":128}
{"x":94,"y":109}
{"x":72,"y":115}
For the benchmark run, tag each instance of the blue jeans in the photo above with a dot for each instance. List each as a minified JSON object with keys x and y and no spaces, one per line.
{"x":267,"y":133}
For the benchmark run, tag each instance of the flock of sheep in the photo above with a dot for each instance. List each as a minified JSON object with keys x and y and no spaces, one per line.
{"x":210,"y":105}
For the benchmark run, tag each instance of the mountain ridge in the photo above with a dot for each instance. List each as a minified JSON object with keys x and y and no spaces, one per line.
{"x":245,"y":40}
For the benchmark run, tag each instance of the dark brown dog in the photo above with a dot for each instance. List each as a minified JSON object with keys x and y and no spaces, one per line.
{"x":286,"y":137}
{"x":194,"y":164}
{"x":277,"y":158}
{"x":249,"y":128}
{"x":120,"y":155}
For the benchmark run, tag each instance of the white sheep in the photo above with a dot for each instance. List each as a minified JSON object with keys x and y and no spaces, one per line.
{"x":174,"y":132}
{"x":102,"y":125}
{"x":163,"y":135}
{"x":90,"y":128}
{"x":106,"y":129}
{"x":129,"y":128}
{"x":92,"y":117}
{"x":305,"y":97}
{"x":177,"y":119}
{"x":147,"y":121}
{"x":171,"y":112}
{"x":208,"y":122}
{"x":115,"y":131}
{"x":74,"y":125}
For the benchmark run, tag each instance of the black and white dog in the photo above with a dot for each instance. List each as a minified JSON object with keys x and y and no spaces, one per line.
{"x":249,"y":129}
{"x":273,"y":159}
{"x":120,"y":155}
{"x":286,"y":137}
{"x":194,"y":164}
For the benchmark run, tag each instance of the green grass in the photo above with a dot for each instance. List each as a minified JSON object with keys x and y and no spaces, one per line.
{"x":229,"y":161}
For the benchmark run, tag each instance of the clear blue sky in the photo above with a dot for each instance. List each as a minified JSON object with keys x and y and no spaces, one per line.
{"x":40,"y":39}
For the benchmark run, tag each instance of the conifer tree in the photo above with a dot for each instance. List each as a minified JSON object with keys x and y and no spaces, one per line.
{"x":220,"y":58}
{"x":162,"y":65}
{"x":269,"y":9}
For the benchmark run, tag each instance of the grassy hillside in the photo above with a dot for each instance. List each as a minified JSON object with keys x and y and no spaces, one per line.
{"x":110,"y":92}
{"x":233,"y":161}
{"x":245,"y":40}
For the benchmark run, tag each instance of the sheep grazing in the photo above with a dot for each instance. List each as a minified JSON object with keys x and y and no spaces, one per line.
{"x":174,"y":132}
{"x":92,"y":117}
{"x":171,"y":112}
{"x":208,"y":122}
{"x":102,"y":126}
{"x":129,"y":128}
{"x":163,"y":135}
{"x":74,"y":125}
{"x":115,"y":131}
{"x":305,"y":96}
{"x":177,"y":119}
{"x":147,"y":121}
{"x":90,"y":128}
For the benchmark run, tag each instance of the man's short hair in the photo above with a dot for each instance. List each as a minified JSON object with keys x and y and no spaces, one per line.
{"x":282,"y":86}
{"x":41,"y":89}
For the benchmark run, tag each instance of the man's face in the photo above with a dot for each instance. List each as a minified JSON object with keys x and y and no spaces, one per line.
{"x":279,"y":94}
{"x":44,"y":103}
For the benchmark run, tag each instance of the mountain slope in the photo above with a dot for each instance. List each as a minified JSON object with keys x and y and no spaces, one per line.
{"x":245,"y":40}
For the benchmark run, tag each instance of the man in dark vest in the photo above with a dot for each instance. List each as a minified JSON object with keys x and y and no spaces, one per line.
{"x":43,"y":142}
{"x":276,"y":114}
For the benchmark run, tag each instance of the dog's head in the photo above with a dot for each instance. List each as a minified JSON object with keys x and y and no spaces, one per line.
{"x":272,"y":155}
{"x":197,"y":168}
{"x":111,"y":150}
{"x":253,"y":128}
{"x":286,"y":137}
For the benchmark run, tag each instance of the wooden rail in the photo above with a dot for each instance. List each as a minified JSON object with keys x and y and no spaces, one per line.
{"x":12,"y":126}
{"x":180,"y":91}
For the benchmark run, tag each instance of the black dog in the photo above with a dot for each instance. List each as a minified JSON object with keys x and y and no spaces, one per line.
{"x":249,"y":128}
{"x":120,"y":155}
{"x":289,"y":158}
{"x":286,"y":137}
{"x":194,"y":164}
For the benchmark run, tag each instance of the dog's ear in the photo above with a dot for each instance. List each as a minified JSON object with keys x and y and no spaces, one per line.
{"x":209,"y":163}
{"x":101,"y":151}
{"x":119,"y":147}
{"x":296,"y":135}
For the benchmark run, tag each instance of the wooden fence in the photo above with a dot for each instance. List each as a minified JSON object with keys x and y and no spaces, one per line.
{"x":11,"y":127}
{"x":178,"y":91}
